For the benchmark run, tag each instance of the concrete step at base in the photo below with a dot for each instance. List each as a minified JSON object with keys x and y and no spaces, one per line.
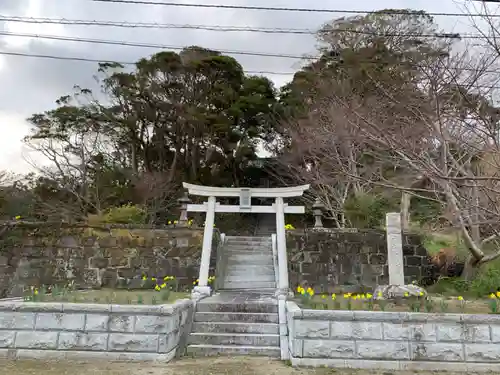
{"x":222,"y":317}
{"x":242,"y":284}
{"x":246,"y":307}
{"x":246,"y":251}
{"x":236,"y":327}
{"x":246,"y":339}
{"x":235,"y":278}
{"x":230,"y":350}
{"x":261,"y":291}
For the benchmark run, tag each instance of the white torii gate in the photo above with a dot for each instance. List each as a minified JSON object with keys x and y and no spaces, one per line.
{"x":245,"y":194}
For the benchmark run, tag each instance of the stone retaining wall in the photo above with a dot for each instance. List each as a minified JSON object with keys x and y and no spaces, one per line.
{"x":393,"y":340}
{"x":70,"y":330}
{"x":327,"y":259}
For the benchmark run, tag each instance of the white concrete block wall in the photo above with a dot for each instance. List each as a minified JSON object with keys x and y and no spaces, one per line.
{"x":134,"y":332}
{"x":393,"y":340}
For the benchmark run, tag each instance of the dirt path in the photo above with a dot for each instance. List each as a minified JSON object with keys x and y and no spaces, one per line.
{"x":199,"y":366}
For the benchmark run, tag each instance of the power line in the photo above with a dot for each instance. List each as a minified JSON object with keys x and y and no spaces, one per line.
{"x":180,"y":48}
{"x":144,"y":45}
{"x":219,"y":28}
{"x":283,"y":9}
{"x":84,"y":59}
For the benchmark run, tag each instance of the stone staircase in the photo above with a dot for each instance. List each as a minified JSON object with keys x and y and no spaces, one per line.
{"x":249,"y":264}
{"x":242,"y":318}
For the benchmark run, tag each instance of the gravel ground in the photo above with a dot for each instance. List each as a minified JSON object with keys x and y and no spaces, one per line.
{"x":199,"y":366}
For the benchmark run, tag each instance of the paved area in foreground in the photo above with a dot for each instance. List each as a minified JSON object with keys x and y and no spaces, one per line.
{"x":198,"y":366}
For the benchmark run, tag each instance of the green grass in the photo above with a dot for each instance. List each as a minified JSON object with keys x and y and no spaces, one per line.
{"x":437,"y":304}
{"x":115,"y":296}
{"x":436,"y":241}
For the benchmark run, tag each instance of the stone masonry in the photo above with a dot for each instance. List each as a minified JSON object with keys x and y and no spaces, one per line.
{"x":99,"y":258}
{"x":393,"y":340}
{"x":327,"y":259}
{"x":70,"y":330}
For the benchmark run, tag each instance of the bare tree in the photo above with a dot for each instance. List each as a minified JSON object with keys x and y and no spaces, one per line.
{"x":443,"y":129}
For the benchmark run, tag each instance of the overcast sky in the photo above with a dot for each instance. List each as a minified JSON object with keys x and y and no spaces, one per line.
{"x":31,"y":85}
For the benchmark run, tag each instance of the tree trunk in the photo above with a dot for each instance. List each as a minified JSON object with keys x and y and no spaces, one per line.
{"x":405,"y":210}
{"x":471,"y":268}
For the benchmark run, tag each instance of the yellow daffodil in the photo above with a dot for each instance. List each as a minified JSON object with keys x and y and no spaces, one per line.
{"x":498,"y":294}
{"x":334,"y":296}
{"x":492,"y":296}
{"x":169,"y":222}
{"x":18,"y":217}
{"x":421,"y":293}
{"x":153,"y":279}
{"x":302,"y":292}
{"x":144,"y":277}
{"x":460,"y":298}
{"x":363,"y":296}
{"x":379,"y":294}
{"x":163,"y":286}
{"x":406,"y":294}
{"x":157,"y":287}
{"x":368,"y":295}
{"x":323,"y":297}
{"x":35,"y":292}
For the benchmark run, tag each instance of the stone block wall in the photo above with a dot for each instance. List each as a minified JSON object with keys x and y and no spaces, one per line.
{"x":99,"y":257}
{"x":326,"y":259}
{"x":93,"y":331}
{"x":393,"y":340}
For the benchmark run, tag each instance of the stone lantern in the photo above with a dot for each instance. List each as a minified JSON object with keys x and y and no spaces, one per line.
{"x":318,"y":208}
{"x":184,"y":201}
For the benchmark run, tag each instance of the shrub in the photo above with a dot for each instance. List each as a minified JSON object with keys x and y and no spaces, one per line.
{"x":127,"y":214}
{"x":367,"y":210}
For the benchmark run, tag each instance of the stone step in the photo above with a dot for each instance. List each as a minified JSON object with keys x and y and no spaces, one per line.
{"x":236,"y":327}
{"x":247,"y":339}
{"x":255,"y":261}
{"x":248,"y":238}
{"x":262,"y":275}
{"x":256,"y":246}
{"x":248,"y":277}
{"x":247,"y":252}
{"x":242,"y":284}
{"x":252,"y":268}
{"x":249,"y":243}
{"x":230,"y":350}
{"x":222,"y":317}
{"x":245,"y":307}
{"x":255,"y":249}
{"x":248,"y":257}
{"x":271,"y":292}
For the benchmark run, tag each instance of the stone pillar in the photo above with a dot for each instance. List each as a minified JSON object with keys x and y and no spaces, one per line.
{"x":281,"y":246}
{"x":395,"y":249}
{"x":202,"y":289}
{"x":184,"y":201}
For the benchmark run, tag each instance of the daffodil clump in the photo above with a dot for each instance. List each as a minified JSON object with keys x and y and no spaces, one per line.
{"x":494,"y":302}
{"x":211,"y":280}
{"x":38,"y":294}
{"x":289,"y":227}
